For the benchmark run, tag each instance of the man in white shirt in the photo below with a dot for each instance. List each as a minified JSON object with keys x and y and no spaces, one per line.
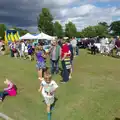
{"x":104,"y":42}
{"x":74,"y":45}
{"x":22,"y":49}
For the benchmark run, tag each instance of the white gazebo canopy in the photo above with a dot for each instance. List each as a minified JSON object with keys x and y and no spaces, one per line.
{"x":27,"y":36}
{"x":44,"y":36}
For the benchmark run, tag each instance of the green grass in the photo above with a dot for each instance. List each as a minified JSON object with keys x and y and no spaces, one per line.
{"x":92,"y":94}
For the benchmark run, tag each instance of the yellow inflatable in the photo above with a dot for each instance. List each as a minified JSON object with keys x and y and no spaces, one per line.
{"x":11,"y":36}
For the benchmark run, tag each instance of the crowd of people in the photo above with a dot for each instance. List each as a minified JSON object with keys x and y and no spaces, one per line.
{"x":63,"y":51}
{"x":104,"y":46}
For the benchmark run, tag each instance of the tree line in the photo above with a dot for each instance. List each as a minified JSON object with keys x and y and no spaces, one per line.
{"x":45,"y":24}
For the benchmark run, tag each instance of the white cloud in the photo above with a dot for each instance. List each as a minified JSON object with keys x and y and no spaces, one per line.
{"x":77,"y":11}
{"x":23,"y":13}
{"x":89,"y":14}
{"x":107,"y":0}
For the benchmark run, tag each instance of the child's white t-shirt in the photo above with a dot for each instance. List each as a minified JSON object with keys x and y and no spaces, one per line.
{"x":48,"y":87}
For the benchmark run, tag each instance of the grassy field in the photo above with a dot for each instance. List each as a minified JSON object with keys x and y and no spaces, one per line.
{"x":92,"y":94}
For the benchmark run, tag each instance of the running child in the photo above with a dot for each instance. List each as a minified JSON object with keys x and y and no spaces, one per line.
{"x":48,"y":88}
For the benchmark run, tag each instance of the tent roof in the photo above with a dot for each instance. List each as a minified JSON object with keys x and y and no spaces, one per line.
{"x":44,"y":36}
{"x":27,"y":36}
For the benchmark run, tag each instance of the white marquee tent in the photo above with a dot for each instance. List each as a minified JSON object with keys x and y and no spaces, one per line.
{"x":44,"y":36}
{"x":27,"y":36}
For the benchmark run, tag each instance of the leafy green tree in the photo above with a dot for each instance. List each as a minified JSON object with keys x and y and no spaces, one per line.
{"x":103,"y":24}
{"x":70,"y":30}
{"x":2,"y":30}
{"x":115,"y":28}
{"x":101,"y":30}
{"x":93,"y":31}
{"x":58,"y":30}
{"x":89,"y":31}
{"x":79,"y":35}
{"x":45,"y":23}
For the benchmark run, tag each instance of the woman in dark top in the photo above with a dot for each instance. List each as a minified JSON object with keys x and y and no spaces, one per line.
{"x":71,"y":57}
{"x":30,"y":52}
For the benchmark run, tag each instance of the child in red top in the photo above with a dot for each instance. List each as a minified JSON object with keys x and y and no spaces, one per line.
{"x":66,"y":65}
{"x":65,"y":52}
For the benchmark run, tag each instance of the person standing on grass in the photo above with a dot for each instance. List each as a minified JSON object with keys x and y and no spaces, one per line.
{"x":117,"y":45}
{"x":71,"y":58}
{"x":112,"y":46}
{"x":2,"y":49}
{"x":30,"y":52}
{"x":93,"y":47}
{"x":74,"y":45}
{"x":65,"y":61}
{"x":19,"y":48}
{"x":40,"y":58}
{"x":0,"y":45}
{"x":104,"y":41}
{"x":55,"y":52}
{"x":77,"y":48}
{"x":22,"y":49}
{"x":13,"y":49}
{"x":26,"y":51}
{"x":48,"y":88}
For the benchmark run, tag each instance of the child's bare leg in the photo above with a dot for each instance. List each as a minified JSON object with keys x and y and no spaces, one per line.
{"x":30,"y":57}
{"x":40,"y":74}
{"x":48,"y":111}
{"x":15,"y":54}
{"x":48,"y":108}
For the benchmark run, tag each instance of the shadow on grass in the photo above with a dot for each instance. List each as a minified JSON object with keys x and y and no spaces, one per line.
{"x":91,"y":53}
{"x":88,"y":52}
{"x":114,"y":56}
{"x":117,"y":119}
{"x":53,"y":105}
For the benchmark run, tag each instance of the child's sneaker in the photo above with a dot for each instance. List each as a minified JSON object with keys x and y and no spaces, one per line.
{"x":52,"y":107}
{"x":62,"y":81}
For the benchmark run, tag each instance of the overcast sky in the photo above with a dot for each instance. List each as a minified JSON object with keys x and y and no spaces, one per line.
{"x":23,"y":13}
